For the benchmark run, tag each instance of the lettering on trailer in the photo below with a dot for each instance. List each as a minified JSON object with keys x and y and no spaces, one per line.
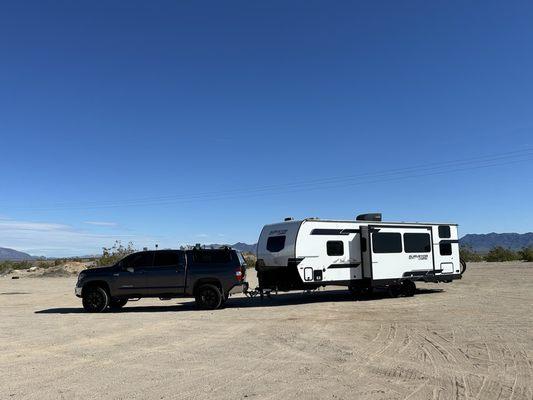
{"x":418,"y":256}
{"x":278,"y":232}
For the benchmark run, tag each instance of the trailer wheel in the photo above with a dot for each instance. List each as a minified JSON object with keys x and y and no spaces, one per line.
{"x":394,"y":290}
{"x":463,"y":266}
{"x":355,"y":291}
{"x":408,"y":288}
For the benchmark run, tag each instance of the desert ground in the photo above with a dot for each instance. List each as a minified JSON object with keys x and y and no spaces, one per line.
{"x":471,"y":339}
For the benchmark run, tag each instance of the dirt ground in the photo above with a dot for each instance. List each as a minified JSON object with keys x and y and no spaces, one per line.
{"x":469,"y":339}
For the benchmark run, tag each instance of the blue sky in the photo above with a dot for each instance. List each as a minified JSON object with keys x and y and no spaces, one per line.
{"x":177,"y":122}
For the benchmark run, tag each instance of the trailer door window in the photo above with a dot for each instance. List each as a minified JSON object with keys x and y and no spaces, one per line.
{"x":335,"y":248}
{"x":445,"y":249}
{"x":387,"y":242}
{"x":275,"y":243}
{"x":444,"y":232}
{"x":417,"y":242}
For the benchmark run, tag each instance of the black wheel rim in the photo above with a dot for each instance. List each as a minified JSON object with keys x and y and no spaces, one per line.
{"x":95,"y":300}
{"x":209,"y":298}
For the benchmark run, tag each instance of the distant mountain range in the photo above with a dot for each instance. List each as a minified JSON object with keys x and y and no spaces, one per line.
{"x":13,"y":255}
{"x":482,"y":243}
{"x":244,"y":247}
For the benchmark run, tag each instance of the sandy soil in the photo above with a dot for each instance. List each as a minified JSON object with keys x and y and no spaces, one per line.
{"x":469,"y":339}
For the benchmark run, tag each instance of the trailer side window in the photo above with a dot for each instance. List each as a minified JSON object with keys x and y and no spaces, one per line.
{"x":416,"y":242}
{"x":275,"y":243}
{"x":445,"y":249}
{"x":387,"y":242}
{"x":335,"y":248}
{"x":444,"y":232}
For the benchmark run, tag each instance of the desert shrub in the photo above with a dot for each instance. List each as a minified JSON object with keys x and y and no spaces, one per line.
{"x":8,"y":266}
{"x":250,"y":259}
{"x":470,"y":255}
{"x":526,"y":254}
{"x":501,"y":254}
{"x":110,"y":255}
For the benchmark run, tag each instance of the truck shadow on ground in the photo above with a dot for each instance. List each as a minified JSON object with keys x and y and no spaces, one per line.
{"x":276,"y":300}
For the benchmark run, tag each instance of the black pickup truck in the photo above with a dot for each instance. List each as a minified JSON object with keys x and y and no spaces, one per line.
{"x":208,"y":275}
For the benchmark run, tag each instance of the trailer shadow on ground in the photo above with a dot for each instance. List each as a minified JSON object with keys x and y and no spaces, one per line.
{"x":276,"y":300}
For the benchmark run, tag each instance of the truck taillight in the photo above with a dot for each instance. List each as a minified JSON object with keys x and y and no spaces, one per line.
{"x":239,"y":274}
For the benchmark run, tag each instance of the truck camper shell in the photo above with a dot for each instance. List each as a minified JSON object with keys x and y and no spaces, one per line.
{"x":361,"y":253}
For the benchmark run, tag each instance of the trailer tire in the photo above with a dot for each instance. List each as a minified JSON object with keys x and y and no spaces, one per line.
{"x":463,"y":266}
{"x":356,"y":291}
{"x":208,"y":297}
{"x":394,"y":290}
{"x":408,"y":288}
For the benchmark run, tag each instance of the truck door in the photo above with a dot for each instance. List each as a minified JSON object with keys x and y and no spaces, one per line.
{"x":131,"y":276}
{"x":167,"y":275}
{"x":397,"y":251}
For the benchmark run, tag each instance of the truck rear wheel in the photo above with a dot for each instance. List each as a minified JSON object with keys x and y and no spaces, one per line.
{"x":208,"y":297}
{"x":95,"y":299}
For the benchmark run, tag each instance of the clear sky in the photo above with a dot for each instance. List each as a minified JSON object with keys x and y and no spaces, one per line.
{"x":178,"y":122}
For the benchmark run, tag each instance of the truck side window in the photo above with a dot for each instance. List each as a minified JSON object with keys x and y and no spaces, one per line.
{"x":168,"y":258}
{"x":275,"y":243}
{"x":387,"y":242}
{"x":335,"y":248}
{"x":444,"y":232}
{"x":211,"y":256}
{"x":139,"y":260}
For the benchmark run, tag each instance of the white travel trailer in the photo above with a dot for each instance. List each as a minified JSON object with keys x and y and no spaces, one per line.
{"x":361,"y":254}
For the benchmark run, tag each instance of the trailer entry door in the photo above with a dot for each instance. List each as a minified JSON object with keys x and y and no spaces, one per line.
{"x":366,"y":256}
{"x":399,"y":251}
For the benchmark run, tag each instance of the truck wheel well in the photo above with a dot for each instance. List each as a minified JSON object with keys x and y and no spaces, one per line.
{"x":92,"y":284}
{"x":203,"y":281}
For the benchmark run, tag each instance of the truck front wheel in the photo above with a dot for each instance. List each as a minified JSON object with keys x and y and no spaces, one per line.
{"x":95,"y":299}
{"x":208,"y":297}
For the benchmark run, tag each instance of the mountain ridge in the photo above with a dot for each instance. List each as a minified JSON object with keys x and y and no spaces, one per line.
{"x":7,"y":254}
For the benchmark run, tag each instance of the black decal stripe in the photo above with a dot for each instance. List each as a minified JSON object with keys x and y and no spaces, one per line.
{"x":344,"y":265}
{"x":334,"y":231}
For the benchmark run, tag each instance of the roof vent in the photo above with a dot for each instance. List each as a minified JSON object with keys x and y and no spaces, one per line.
{"x":288,"y":219}
{"x":369,"y":217}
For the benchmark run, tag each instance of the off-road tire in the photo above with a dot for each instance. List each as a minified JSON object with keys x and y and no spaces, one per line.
{"x":117,"y":304}
{"x":95,"y":299}
{"x":408,"y":288}
{"x":394,"y":290}
{"x":208,"y":297}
